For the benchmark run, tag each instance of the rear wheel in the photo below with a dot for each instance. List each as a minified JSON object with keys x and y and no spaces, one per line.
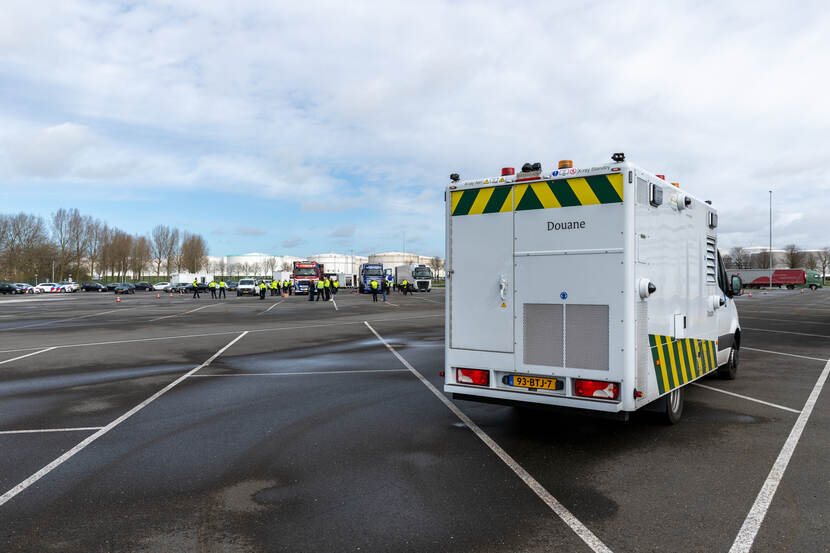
{"x":813,"y":287}
{"x":674,"y":405}
{"x":730,"y":370}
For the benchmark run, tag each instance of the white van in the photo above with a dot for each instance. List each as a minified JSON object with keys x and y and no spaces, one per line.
{"x":597,"y":289}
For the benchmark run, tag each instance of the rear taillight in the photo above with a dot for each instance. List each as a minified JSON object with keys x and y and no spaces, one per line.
{"x":597,"y":389}
{"x":477,"y":377}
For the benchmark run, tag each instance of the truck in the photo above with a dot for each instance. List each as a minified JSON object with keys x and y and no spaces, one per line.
{"x":597,"y":289}
{"x":781,"y":278}
{"x":419,"y":277}
{"x":305,"y":275}
{"x":370,"y":272}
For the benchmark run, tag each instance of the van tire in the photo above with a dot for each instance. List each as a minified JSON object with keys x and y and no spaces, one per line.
{"x":730,"y":370}
{"x":674,"y":405}
{"x":813,"y":287}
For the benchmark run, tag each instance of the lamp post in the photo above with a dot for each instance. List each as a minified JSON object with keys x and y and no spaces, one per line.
{"x":770,"y":239}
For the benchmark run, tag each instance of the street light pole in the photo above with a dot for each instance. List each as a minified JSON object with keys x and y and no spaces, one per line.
{"x":770,"y":239}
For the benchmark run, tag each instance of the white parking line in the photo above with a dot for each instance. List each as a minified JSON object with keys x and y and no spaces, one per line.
{"x":304,"y":373}
{"x":567,"y":517}
{"x":787,"y":332}
{"x":334,"y":303}
{"x":27,"y":355}
{"x":746,"y":397}
{"x":40,"y":430}
{"x":787,"y":354}
{"x":784,"y":320}
{"x":103,"y":430}
{"x":223,"y":333}
{"x":184,"y":313}
{"x":746,"y":537}
{"x":270,"y":308}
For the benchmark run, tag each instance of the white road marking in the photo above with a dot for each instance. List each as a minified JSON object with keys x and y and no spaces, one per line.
{"x":334,"y":303}
{"x":303,"y":373}
{"x":787,"y":354}
{"x":184,"y":313}
{"x":270,"y":308}
{"x":746,"y":537}
{"x":103,"y":430}
{"x":223,"y":333}
{"x":39,"y":430}
{"x":746,"y":397}
{"x":567,"y":517}
{"x":27,"y":355}
{"x":787,"y":332}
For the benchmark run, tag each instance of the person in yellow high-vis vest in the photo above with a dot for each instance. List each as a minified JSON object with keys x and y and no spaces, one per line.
{"x":374,"y":287}
{"x":222,"y":286}
{"x":321,"y":290}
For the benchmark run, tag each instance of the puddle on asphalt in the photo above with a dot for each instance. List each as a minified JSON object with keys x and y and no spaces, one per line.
{"x":71,"y":380}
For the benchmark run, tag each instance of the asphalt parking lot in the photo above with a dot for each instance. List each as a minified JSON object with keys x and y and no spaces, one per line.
{"x":175,"y":424}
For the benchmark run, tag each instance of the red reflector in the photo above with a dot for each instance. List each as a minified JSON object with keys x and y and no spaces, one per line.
{"x":597,"y":389}
{"x":507,"y":171}
{"x":472,"y":376}
{"x":661,"y":177}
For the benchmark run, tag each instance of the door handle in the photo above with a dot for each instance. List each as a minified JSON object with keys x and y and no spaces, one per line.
{"x":502,"y":288}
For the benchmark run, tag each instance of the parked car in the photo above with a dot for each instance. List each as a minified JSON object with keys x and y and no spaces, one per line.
{"x":231,"y":285}
{"x":93,"y":287}
{"x":124,"y":288}
{"x":23,"y":288}
{"x":69,"y":286}
{"x":174,"y":287}
{"x":47,"y":287}
{"x":159,"y":286}
{"x":146,"y":286}
{"x":7,"y":288}
{"x":111,"y":285}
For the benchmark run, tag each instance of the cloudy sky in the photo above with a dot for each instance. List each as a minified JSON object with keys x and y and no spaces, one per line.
{"x":332,"y":126}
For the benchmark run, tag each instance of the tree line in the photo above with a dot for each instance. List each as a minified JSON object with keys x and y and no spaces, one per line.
{"x":793,"y":256}
{"x":72,"y":245}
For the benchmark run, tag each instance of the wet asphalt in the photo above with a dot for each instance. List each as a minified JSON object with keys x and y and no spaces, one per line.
{"x":307,"y":434}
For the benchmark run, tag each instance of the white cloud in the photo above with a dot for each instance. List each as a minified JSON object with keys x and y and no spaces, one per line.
{"x":344,"y":106}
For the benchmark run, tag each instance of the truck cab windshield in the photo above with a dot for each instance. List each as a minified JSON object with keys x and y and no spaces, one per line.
{"x":421,"y":273}
{"x":373,"y":272}
{"x":305,"y":271}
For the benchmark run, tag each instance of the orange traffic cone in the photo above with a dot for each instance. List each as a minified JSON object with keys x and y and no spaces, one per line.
{"x":181,"y":293}
{"x":750,"y":294}
{"x":158,"y":296}
{"x":117,"y":299}
{"x":171,"y":294}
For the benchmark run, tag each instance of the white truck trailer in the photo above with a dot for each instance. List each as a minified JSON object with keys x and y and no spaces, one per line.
{"x":419,"y":276}
{"x":598,"y":289}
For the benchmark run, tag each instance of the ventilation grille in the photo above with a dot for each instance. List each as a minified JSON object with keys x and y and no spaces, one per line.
{"x":642,"y":191}
{"x":586,"y":337}
{"x":543,"y":334}
{"x":711,"y":260}
{"x":572,"y":335}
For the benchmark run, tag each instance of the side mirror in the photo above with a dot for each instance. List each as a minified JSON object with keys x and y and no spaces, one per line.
{"x":737,"y":285}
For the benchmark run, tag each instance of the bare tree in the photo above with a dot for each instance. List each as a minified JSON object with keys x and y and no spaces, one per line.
{"x":436,"y":263}
{"x":160,"y":245}
{"x":140,"y":255}
{"x":27,"y":253}
{"x":823,"y":262}
{"x":811,"y":260}
{"x":740,"y":257}
{"x":60,"y":233}
{"x":794,"y":256}
{"x":193,"y":252}
{"x":76,"y":228}
{"x":270,"y":265}
{"x":286,"y":266}
{"x":760,"y":260}
{"x":96,"y":233}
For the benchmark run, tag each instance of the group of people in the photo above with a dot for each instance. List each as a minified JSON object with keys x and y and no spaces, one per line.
{"x":217,"y":289}
{"x":386,"y":287}
{"x":324,"y":289}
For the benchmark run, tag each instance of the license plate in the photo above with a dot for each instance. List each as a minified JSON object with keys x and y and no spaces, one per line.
{"x":536,"y":382}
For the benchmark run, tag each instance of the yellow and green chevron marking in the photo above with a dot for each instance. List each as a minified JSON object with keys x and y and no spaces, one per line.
{"x":593,"y":190}
{"x":677,"y":362}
